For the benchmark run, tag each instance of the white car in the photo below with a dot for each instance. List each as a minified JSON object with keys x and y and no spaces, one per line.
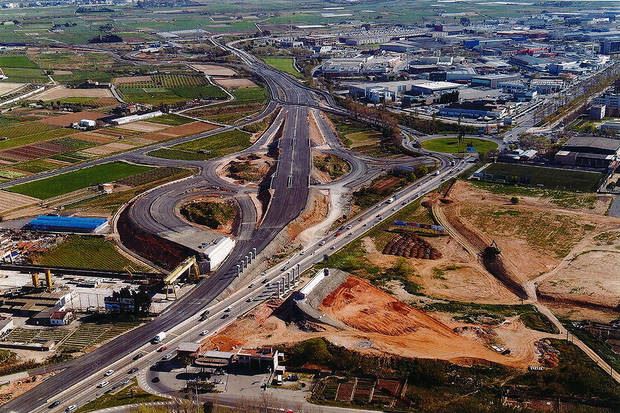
{"x":204,"y":332}
{"x":71,"y":408}
{"x":167,"y":356}
{"x":109,"y":373}
{"x":103,"y":384}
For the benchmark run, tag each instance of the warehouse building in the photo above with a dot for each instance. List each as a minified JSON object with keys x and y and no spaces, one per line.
{"x":493,"y":81}
{"x":135,"y":118}
{"x":54,"y":223}
{"x":475,"y":109}
{"x":589,"y":152}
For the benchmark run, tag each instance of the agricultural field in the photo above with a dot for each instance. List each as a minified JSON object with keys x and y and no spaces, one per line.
{"x":285,"y":64}
{"x":170,"y":119}
{"x":24,"y":133}
{"x":86,"y":252}
{"x":362,"y":138}
{"x":169,"y":89}
{"x":110,"y":203}
{"x":250,"y":95}
{"x":206,"y":148}
{"x":19,"y":68}
{"x":452,"y":145}
{"x":553,"y":178}
{"x":72,"y":181}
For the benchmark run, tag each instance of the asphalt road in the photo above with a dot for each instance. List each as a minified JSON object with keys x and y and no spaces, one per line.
{"x":290,"y":195}
{"x":247,"y":298}
{"x":290,"y":192}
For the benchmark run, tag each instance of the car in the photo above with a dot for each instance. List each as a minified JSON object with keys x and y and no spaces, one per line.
{"x":301,"y":252}
{"x":337,"y":234}
{"x":109,"y":373}
{"x":393,"y":209}
{"x":139,"y":355}
{"x":162,"y":348}
{"x":265,"y":281}
{"x":378,"y":215}
{"x":103,"y":384}
{"x":71,"y":408}
{"x":123,"y":382}
{"x":365,"y":224}
{"x":55,"y":404}
{"x":349,"y":226}
{"x":322,"y":243}
{"x":132,"y":370}
{"x":167,"y":356}
{"x":204,"y":332}
{"x":249,"y":300}
{"x":155,"y":380}
{"x":251,"y":285}
{"x":332,"y":247}
{"x":228,"y":309}
{"x":360,"y":219}
{"x":224,"y":316}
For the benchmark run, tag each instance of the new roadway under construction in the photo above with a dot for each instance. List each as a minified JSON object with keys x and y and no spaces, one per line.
{"x":155,"y":213}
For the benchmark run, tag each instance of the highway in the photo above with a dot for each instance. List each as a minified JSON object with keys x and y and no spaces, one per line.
{"x":245,"y":299}
{"x":290,"y":191}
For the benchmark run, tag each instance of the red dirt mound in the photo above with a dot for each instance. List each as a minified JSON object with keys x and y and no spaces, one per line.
{"x":364,"y":307}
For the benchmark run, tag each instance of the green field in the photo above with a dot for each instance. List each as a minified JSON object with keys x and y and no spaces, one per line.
{"x":285,"y":64}
{"x":72,"y":181}
{"x":549,"y":177}
{"x":206,"y":148}
{"x":451,"y":145}
{"x":162,"y":89}
{"x":87,"y":252}
{"x":248,"y":95}
{"x":19,"y":68}
{"x":24,"y":133}
{"x":19,"y":61}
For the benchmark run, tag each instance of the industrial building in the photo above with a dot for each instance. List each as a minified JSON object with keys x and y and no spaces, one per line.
{"x":493,"y":81}
{"x":475,"y":109}
{"x":54,"y":223}
{"x":135,"y":118}
{"x":589,"y":152}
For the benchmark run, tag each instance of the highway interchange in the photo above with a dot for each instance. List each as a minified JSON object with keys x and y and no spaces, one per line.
{"x":76,"y":384}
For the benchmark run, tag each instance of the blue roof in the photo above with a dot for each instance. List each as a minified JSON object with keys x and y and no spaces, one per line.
{"x":53,"y":222}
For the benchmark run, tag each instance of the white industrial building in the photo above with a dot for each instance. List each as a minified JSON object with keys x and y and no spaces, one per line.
{"x":135,"y":118}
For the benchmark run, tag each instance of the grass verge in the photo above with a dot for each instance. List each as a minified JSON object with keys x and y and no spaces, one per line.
{"x":131,"y":394}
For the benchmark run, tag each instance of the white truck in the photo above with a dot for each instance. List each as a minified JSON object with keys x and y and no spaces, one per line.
{"x":159,"y":337}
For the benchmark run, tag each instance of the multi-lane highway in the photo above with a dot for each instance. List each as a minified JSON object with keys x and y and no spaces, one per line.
{"x":290,"y":191}
{"x":245,"y":299}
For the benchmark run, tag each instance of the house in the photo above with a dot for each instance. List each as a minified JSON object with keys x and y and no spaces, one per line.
{"x":61,"y":318}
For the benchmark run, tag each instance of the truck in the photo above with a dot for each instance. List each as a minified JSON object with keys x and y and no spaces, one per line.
{"x":159,"y":337}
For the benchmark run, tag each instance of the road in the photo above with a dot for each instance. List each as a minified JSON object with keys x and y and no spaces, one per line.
{"x":290,"y":191}
{"x":245,"y":299}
